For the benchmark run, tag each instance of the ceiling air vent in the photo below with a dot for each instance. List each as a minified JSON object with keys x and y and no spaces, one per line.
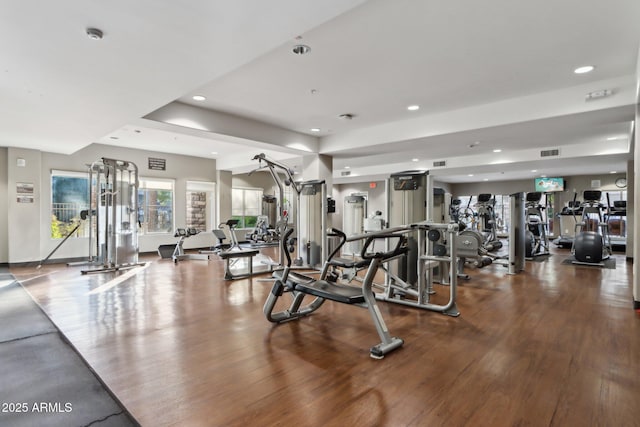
{"x":550,"y":153}
{"x":345,"y":173}
{"x":440,"y":164}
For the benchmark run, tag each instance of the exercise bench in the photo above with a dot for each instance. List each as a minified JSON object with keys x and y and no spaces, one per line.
{"x":235,"y":254}
{"x":322,"y":289}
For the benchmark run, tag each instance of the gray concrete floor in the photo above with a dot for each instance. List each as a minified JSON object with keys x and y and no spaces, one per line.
{"x":43,"y":381}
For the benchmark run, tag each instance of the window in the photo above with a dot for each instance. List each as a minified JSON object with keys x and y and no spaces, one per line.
{"x":246,"y":205}
{"x":155,"y":206}
{"x":200,"y":205}
{"x":69,"y":196}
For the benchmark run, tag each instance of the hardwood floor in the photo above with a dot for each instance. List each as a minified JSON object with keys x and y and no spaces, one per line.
{"x":557,"y":345}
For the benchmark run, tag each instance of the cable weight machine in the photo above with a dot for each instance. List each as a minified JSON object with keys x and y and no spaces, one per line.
{"x":113,"y":217}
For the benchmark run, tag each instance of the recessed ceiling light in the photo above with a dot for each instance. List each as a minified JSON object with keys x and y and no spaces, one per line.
{"x":315,"y":129}
{"x":413,"y":107}
{"x":198,"y":98}
{"x":543,"y":176}
{"x":347,"y":167}
{"x":613,"y":138}
{"x":301,"y":49}
{"x":497,"y":150}
{"x":414,"y":159}
{"x":534,"y":170}
{"x":584,"y":69}
{"x":613,"y":172}
{"x":470,"y":174}
{"x":485,"y":179}
{"x":214,"y":152}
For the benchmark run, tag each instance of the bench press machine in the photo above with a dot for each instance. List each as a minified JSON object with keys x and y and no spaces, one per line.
{"x":300,"y":286}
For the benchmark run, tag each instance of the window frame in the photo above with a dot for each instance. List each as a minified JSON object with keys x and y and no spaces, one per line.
{"x":234,"y":210}
{"x":82,"y":231}
{"x":143,"y":229}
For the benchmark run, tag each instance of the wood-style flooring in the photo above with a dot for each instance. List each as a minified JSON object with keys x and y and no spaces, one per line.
{"x":556,"y":345}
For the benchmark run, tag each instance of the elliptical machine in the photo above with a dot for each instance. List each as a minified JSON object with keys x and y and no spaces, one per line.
{"x":536,"y":235}
{"x":591,"y":244}
{"x":487,"y":221}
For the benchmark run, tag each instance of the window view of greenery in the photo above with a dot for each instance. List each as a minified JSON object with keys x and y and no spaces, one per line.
{"x":69,"y":195}
{"x":155,"y":206}
{"x":246,"y":205}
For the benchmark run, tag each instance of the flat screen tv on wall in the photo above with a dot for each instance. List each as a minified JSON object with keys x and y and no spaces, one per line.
{"x":548,"y":185}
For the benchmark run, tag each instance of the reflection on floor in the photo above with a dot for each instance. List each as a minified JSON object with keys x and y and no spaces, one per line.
{"x":178,"y":345}
{"x":44,"y":382}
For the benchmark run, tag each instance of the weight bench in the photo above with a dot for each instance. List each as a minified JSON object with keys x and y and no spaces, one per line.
{"x":227,"y":256}
{"x":301,"y":286}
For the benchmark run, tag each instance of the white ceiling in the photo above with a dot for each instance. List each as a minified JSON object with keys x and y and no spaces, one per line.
{"x":487,"y":75}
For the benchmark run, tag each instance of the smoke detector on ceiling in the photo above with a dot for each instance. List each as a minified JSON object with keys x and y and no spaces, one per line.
{"x":346,"y":116}
{"x":94,"y":34}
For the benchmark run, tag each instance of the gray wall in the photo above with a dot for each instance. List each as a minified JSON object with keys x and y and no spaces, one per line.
{"x":4,"y":190}
{"x":29,"y":234}
{"x":25,"y":219}
{"x":256,"y":180}
{"x":492,"y":187}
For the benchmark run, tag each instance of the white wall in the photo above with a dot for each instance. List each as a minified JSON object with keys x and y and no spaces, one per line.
{"x":29,"y":234}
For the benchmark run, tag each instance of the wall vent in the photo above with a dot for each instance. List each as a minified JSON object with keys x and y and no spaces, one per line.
{"x":550,"y":153}
{"x":439,"y":163}
{"x":345,"y":173}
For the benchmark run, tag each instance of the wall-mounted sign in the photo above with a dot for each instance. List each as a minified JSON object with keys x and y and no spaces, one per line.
{"x":24,"y":191}
{"x":157,"y":164}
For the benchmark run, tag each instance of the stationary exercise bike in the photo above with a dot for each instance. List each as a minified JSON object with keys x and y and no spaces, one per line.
{"x":536,"y":235}
{"x":176,"y":252}
{"x":591,"y":244}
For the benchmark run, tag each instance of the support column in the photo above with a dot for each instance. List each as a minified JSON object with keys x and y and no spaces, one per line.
{"x":630,"y":225}
{"x":635,"y":213}
{"x":636,"y":185}
{"x":224,"y":185}
{"x":318,"y":166}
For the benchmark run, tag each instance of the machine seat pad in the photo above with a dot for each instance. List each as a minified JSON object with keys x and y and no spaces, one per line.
{"x":349,"y":263}
{"x":332,"y":291}
{"x":293,"y":277}
{"x":238,"y":254}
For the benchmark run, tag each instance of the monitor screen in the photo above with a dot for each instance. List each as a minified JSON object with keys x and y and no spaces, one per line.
{"x":547,"y":185}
